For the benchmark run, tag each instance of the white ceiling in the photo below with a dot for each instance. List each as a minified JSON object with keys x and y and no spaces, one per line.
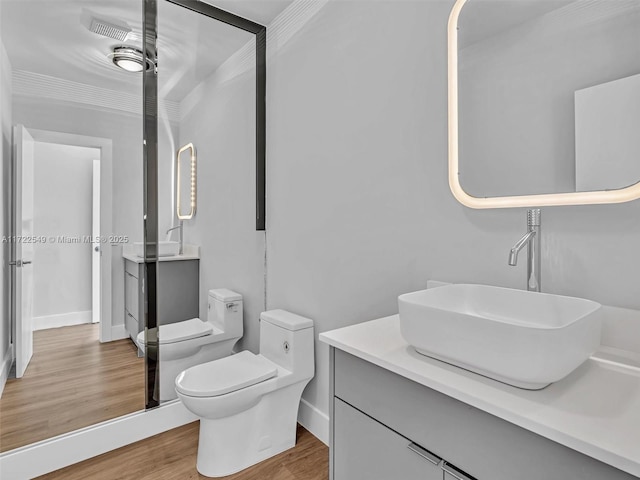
{"x":260,"y":11}
{"x":51,"y":37}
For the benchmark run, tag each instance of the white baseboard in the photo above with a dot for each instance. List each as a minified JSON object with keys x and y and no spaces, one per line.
{"x":61,"y":320}
{"x":118,"y":332}
{"x":314,"y":420}
{"x":5,"y":367}
{"x":64,"y":450}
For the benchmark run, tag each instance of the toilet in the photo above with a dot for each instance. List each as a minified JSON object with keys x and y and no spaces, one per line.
{"x":248,"y":403}
{"x":192,"y":342}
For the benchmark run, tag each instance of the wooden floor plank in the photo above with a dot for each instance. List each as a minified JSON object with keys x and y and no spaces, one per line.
{"x":172,"y":455}
{"x":72,"y":381}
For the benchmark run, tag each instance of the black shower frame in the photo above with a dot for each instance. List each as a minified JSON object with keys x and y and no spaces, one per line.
{"x":150,"y":159}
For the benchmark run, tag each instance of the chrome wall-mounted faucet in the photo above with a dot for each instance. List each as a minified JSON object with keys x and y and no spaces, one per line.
{"x":532,"y":240}
{"x":181,"y":227}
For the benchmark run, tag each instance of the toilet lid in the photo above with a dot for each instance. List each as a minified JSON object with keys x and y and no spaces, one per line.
{"x":225,"y":375}
{"x":185,"y":330}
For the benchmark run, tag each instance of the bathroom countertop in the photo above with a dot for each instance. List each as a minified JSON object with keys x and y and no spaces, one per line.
{"x":172,"y":258}
{"x":191,"y":252}
{"x":595,"y":410}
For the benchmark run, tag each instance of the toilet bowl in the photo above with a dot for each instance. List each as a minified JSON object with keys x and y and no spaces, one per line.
{"x":248,"y":403}
{"x":192,"y":342}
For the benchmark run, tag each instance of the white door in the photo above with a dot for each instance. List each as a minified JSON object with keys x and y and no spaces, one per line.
{"x":22,"y":247}
{"x":96,"y":246}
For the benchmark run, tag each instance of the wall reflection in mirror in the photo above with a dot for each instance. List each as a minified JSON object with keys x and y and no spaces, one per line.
{"x":78,"y":331}
{"x":549,"y":96}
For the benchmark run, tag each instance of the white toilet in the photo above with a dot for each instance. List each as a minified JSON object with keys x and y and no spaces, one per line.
{"x":247,"y":403}
{"x":192,"y":342}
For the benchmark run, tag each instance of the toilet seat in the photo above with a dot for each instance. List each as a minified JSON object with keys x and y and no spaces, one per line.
{"x":185,"y":330}
{"x":225,"y":375}
{"x":181,"y":331}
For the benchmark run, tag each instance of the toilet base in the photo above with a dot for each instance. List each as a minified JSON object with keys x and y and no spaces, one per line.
{"x":230,"y":444}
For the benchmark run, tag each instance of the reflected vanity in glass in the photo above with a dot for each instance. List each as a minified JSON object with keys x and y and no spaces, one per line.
{"x":544,"y":102}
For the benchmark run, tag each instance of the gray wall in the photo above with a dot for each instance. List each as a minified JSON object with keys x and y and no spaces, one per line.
{"x":63,"y":186}
{"x":5,"y":161}
{"x":125,"y":130}
{"x":222,"y":128}
{"x":359,"y":209}
{"x":524,"y":94}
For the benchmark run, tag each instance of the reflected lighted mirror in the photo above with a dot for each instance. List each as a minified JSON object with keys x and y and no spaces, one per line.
{"x":548,"y":96}
{"x":186,"y":182}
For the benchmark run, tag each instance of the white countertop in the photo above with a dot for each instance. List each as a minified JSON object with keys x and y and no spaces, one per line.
{"x":595,"y":410}
{"x":191,"y":252}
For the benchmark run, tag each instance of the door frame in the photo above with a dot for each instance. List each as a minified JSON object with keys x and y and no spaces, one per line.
{"x":106,"y":209}
{"x":96,"y":246}
{"x":22,"y":327}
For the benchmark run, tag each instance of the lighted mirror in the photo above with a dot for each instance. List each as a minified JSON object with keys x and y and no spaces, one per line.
{"x":544,"y":102}
{"x":186,"y":182}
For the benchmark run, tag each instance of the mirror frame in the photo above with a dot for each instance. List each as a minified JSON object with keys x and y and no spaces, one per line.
{"x":551,"y":199}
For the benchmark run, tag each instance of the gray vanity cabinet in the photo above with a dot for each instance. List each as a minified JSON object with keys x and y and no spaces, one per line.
{"x":178,"y":293}
{"x":376,"y":415}
{"x":367,"y":450}
{"x":133,"y":308}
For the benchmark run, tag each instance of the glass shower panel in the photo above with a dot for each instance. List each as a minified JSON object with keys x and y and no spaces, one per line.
{"x":83,"y":114}
{"x":206,"y":85}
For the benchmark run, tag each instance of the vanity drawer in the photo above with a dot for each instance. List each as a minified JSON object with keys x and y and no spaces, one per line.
{"x":132,"y":324}
{"x":132,"y":268}
{"x":367,"y":450}
{"x":131,"y":298}
{"x":487,"y":447}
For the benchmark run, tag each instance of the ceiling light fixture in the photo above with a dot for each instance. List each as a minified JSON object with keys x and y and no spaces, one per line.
{"x":130,"y":59}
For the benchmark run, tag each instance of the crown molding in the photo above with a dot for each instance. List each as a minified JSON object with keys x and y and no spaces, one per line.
{"x":279,"y":32}
{"x":31,"y":84}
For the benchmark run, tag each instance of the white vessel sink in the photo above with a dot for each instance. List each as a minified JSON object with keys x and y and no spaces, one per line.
{"x":521,"y":338}
{"x":165,"y":249}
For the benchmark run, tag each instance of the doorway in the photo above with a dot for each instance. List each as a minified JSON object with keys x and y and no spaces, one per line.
{"x":66,"y":278}
{"x":59,"y":180}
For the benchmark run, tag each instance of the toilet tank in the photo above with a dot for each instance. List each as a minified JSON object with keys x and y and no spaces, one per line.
{"x":287,"y":339}
{"x":225,"y":312}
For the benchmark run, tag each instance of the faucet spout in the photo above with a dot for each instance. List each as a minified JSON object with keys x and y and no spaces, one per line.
{"x":513,"y":254}
{"x":532,"y":241}
{"x":180,"y":226}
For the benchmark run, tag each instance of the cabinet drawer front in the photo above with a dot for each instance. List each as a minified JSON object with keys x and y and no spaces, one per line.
{"x":178,"y":291}
{"x":131,"y":294}
{"x":133,"y":326}
{"x":367,"y":450}
{"x":486,"y":446}
{"x":131,"y":268}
